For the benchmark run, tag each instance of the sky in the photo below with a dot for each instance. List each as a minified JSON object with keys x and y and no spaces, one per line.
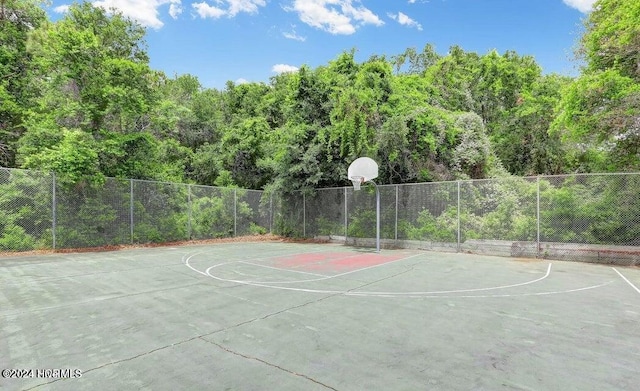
{"x":252,"y":40}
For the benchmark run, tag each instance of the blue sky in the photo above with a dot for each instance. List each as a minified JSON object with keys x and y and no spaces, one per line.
{"x":252,"y":40}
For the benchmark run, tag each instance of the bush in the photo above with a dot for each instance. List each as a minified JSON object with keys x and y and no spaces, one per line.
{"x":14,"y":238}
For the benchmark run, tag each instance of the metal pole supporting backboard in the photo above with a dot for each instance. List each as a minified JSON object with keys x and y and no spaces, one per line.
{"x":377,"y":217}
{"x":538,"y":218}
{"x":304,"y":216}
{"x":131,"y":209}
{"x":53,"y":211}
{"x":458,"y":217}
{"x":235,"y":214}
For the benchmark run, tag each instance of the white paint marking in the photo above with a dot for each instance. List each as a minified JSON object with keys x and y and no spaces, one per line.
{"x":625,"y":278}
{"x":249,"y":282}
{"x":282,"y":269}
{"x":208,"y":272}
{"x":470,"y":290}
{"x":400,"y":294}
{"x":436,"y":294}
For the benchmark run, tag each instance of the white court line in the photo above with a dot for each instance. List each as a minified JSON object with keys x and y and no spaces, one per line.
{"x":249,"y":282}
{"x":282,"y":269}
{"x":469,"y":290}
{"x":366,"y":293}
{"x":186,"y":262}
{"x":625,"y":278}
{"x":396,"y":295}
{"x":484,"y":296}
{"x":436,"y":294}
{"x":189,"y":256}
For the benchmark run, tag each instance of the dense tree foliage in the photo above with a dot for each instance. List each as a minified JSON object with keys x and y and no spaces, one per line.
{"x":17,"y":19}
{"x":77,"y":96}
{"x":599,"y":113}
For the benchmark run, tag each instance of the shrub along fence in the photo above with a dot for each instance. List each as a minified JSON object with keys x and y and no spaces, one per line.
{"x":587,"y":217}
{"x":38,"y":212}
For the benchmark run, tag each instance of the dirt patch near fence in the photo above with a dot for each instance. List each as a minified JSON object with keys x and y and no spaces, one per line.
{"x":239,"y":239}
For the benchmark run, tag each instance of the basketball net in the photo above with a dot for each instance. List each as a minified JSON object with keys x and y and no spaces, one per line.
{"x":357,"y":181}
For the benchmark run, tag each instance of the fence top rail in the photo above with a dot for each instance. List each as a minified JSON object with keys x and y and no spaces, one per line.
{"x":27,"y":170}
{"x":531,"y":177}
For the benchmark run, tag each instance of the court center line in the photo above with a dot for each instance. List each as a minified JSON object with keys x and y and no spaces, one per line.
{"x":625,"y":278}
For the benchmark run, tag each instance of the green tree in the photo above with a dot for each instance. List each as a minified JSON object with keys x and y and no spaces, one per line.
{"x":521,"y":137}
{"x":91,"y":71}
{"x":74,"y":158}
{"x":416,"y":63}
{"x":17,"y":19}
{"x":599,"y":114}
{"x":612,"y":38}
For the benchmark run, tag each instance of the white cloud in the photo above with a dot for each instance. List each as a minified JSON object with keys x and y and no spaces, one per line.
{"x":175,"y":9}
{"x":207,"y":11}
{"x":147,"y":11}
{"x":293,"y":35}
{"x":61,"y":9}
{"x":144,"y":11}
{"x":581,"y":5}
{"x":282,"y":68}
{"x":248,"y":6}
{"x":229,"y":8}
{"x":405,"y":20}
{"x":242,"y":81}
{"x":334,"y":16}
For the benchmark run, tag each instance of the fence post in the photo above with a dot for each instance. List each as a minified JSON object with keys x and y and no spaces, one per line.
{"x":458,"y":217}
{"x":304,"y":216}
{"x":189,"y":212}
{"x":235,"y":212}
{"x":346,"y":215}
{"x":271,"y":213}
{"x":131,"y":209}
{"x":396,"y":225}
{"x":538,"y":218}
{"x":53,"y":211}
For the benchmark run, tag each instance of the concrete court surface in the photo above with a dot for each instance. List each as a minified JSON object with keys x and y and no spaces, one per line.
{"x":282,"y":316}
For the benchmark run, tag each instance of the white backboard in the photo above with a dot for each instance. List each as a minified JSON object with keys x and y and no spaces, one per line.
{"x":364,"y":167}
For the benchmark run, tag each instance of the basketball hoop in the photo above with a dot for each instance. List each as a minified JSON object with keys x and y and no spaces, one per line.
{"x":357,"y":180}
{"x":361,"y":170}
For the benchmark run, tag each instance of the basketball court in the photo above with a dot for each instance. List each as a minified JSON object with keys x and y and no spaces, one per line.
{"x":291,"y":316}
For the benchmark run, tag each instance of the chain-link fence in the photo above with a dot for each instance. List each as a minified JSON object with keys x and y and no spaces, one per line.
{"x":590,"y":217}
{"x":26,"y":213}
{"x":37,"y":212}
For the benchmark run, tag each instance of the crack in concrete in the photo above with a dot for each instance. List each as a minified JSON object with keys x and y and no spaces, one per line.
{"x":302,"y":375}
{"x":202,"y":337}
{"x":95,"y":299}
